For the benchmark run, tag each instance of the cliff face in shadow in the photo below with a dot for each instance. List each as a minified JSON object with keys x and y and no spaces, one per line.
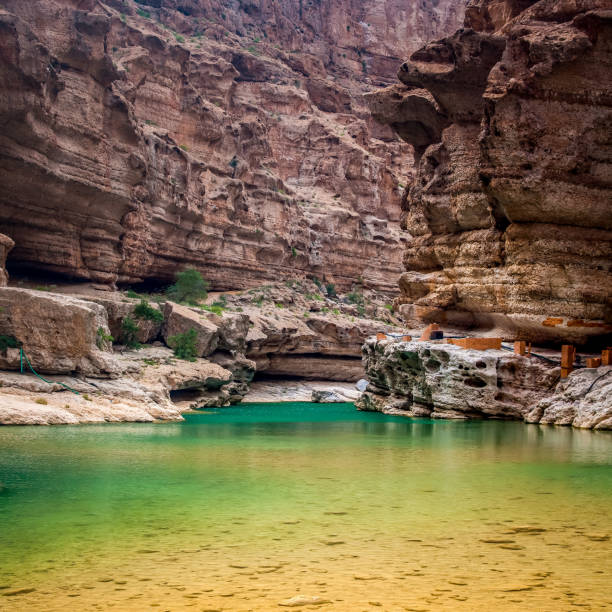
{"x":509,"y":216}
{"x":141,"y":137}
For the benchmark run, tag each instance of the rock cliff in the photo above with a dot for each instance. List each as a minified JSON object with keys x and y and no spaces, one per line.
{"x":139,"y":137}
{"x":438,"y":380}
{"x":509,"y":216}
{"x":113,"y":348}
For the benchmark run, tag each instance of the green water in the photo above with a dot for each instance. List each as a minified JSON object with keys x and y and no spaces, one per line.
{"x":244,"y":508}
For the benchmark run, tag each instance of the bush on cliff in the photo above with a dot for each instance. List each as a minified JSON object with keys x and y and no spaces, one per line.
{"x":7,"y":342}
{"x":145,"y":311}
{"x":189,"y":287}
{"x":129,"y":332}
{"x":184,"y":345}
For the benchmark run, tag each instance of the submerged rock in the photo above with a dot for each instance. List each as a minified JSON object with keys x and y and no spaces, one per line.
{"x":303,"y":600}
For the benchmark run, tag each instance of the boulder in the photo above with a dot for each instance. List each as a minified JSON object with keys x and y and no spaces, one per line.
{"x":118,"y":307}
{"x":59,"y":333}
{"x":583,"y":399}
{"x":180,"y":319}
{"x":326,"y":397}
{"x":446,"y":381}
{"x":6,"y":244}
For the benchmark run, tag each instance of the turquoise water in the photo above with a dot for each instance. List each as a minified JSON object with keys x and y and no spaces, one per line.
{"x":245,"y":508}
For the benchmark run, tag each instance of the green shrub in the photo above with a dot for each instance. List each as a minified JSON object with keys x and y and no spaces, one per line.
{"x":133,"y":294}
{"x":144,"y":13}
{"x":184,"y":147}
{"x":336,"y":311}
{"x":293,"y":252}
{"x":42,"y":401}
{"x":102,"y":338}
{"x":179,"y":38}
{"x":356,"y":297}
{"x":7,"y":342}
{"x":389,"y":307}
{"x":129,"y":332}
{"x":190,"y":287}
{"x":184,"y":345}
{"x":330,"y":289}
{"x":218,"y":310}
{"x":145,"y":311}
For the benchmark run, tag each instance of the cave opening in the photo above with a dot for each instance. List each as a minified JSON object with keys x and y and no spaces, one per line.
{"x":185,"y":395}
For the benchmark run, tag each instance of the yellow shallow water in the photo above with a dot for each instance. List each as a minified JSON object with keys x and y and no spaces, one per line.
{"x":322,"y":506}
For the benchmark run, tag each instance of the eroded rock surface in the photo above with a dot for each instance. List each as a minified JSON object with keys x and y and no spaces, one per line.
{"x":59,"y":333}
{"x":584,"y":399}
{"x":6,"y":244}
{"x":445,"y":381}
{"x":510,"y":213}
{"x":141,"y":137}
{"x":141,"y":393}
{"x":291,"y":329}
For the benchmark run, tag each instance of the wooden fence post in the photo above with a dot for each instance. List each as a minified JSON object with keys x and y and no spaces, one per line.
{"x":568,"y":355}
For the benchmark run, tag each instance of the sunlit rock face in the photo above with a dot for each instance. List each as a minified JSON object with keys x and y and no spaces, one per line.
{"x":142,"y":137}
{"x":509,"y":216}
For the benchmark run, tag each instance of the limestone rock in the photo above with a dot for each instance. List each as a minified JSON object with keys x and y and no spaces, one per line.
{"x":153,"y":386}
{"x":229,"y":137}
{"x":181,"y":319}
{"x":584,"y":399}
{"x":59,"y":333}
{"x":509,"y":216}
{"x":6,"y":244}
{"x":326,"y":397}
{"x":117,"y":308}
{"x":445,"y":381}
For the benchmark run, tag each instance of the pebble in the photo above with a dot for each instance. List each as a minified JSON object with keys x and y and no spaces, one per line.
{"x":303,"y":600}
{"x":15,"y":592}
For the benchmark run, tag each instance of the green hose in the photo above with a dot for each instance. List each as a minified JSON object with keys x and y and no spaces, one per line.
{"x":23,"y":356}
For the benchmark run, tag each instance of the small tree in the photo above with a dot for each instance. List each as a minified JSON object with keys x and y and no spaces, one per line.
{"x":189,"y":287}
{"x":144,"y":310}
{"x":129,"y":332}
{"x":184,"y":345}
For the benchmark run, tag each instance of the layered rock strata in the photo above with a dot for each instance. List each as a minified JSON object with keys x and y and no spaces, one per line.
{"x":141,"y":137}
{"x":437,"y":380}
{"x":80,"y":341}
{"x":509,"y":216}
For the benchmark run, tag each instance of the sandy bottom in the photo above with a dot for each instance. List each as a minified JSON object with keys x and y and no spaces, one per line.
{"x":312,"y":507}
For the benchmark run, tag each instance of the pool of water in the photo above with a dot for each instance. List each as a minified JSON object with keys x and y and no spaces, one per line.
{"x":249,"y":507}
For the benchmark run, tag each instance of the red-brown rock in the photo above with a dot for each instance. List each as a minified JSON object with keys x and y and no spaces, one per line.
{"x":510,"y":213}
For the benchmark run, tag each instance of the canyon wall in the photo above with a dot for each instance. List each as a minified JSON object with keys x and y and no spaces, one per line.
{"x":142,"y":137}
{"x":509,"y":216}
